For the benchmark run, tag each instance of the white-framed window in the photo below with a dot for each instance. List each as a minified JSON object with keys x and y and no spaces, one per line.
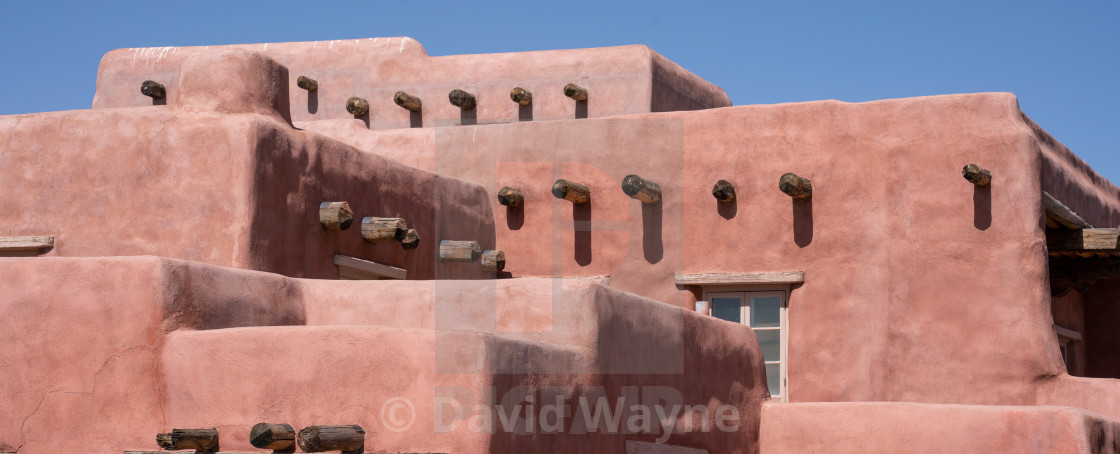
{"x":765,"y":312}
{"x":1066,"y":340}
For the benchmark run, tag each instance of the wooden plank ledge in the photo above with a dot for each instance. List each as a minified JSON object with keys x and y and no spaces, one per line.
{"x":353,"y":268}
{"x":781,"y":277}
{"x":25,"y":243}
{"x":1059,"y":215}
{"x":1083,"y":240}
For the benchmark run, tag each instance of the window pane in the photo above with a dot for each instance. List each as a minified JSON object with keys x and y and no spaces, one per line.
{"x":769,"y":340}
{"x":774,"y":379}
{"x":766,"y":311}
{"x":727,"y":309}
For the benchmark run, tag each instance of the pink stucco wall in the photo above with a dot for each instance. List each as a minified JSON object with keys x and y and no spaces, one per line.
{"x":865,"y":428}
{"x":152,"y":344}
{"x":620,"y":80}
{"x":222,"y":179}
{"x":908,"y":268}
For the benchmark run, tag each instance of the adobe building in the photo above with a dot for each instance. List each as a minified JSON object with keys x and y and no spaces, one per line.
{"x":352,"y":246}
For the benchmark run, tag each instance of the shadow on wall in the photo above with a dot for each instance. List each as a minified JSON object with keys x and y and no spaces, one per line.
{"x":468,"y":117}
{"x":312,"y":101}
{"x":727,"y":209}
{"x":581,"y":217}
{"x":803,"y":221}
{"x":525,"y":113}
{"x":581,"y":109}
{"x":982,"y":206}
{"x":515,"y":217}
{"x":416,"y":119}
{"x":652,"y":247}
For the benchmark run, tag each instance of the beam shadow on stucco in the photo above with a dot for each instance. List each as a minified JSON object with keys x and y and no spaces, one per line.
{"x":468,"y":117}
{"x":525,"y":113}
{"x":727,"y":209}
{"x":581,"y":109}
{"x":581,"y":217}
{"x":416,"y":119}
{"x":515,"y":217}
{"x":312,"y":102}
{"x":803,"y":221}
{"x":652,"y":246}
{"x":982,"y":206}
{"x":159,"y":101}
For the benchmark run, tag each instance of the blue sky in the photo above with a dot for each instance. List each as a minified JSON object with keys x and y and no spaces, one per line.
{"x":1062,"y":59}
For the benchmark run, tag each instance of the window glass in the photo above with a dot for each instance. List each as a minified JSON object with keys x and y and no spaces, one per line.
{"x":770,"y":341}
{"x":727,"y":309}
{"x":774,"y":379}
{"x":766,"y":312}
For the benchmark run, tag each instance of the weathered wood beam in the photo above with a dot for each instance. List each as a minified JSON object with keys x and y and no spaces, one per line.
{"x":348,"y":439}
{"x":575,"y":92}
{"x":25,"y":243}
{"x":407,"y":101}
{"x":510,"y":197}
{"x":356,"y":269}
{"x":459,"y":251}
{"x":977,"y":175}
{"x":1079,"y":268}
{"x":197,"y":439}
{"x":1083,"y":240}
{"x":307,"y":83}
{"x":462,"y":99}
{"x":277,"y":437}
{"x":410,"y":239}
{"x":494,"y":260}
{"x":357,"y":106}
{"x":383,"y":230}
{"x":795,"y":186}
{"x":153,"y":89}
{"x":1059,"y":215}
{"x":335,"y":215}
{"x":571,"y":191}
{"x":641,"y":189}
{"x":521,"y":96}
{"x":723,"y":191}
{"x":790,"y":277}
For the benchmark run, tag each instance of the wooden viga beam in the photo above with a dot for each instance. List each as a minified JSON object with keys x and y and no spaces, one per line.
{"x":277,"y":437}
{"x":335,"y":215}
{"x":795,"y":186}
{"x":521,"y":96}
{"x":307,"y":83}
{"x":641,"y":189}
{"x":571,"y":191}
{"x":724,"y":191}
{"x":1080,"y":268}
{"x":347,"y":439}
{"x":407,"y":101}
{"x":383,"y":230}
{"x":153,"y":89}
{"x":511,"y":197}
{"x":977,"y":175}
{"x":197,"y":439}
{"x":459,"y":251}
{"x":1083,"y":240}
{"x":493,"y":260}
{"x":575,"y":92}
{"x":357,"y":106}
{"x":462,"y":99}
